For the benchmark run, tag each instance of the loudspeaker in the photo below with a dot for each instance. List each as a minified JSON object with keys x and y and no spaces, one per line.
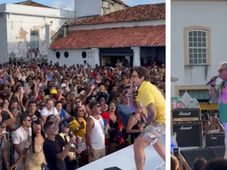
{"x":188,"y":134}
{"x":219,"y":151}
{"x":215,"y":139}
{"x":186,"y":114}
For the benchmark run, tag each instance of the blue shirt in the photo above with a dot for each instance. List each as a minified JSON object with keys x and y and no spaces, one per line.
{"x":124,"y":113}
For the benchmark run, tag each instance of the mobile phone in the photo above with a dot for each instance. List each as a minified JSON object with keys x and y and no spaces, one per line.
{"x":176,"y":151}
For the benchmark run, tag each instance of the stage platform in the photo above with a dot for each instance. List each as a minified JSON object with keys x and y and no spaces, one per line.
{"x":124,"y":160}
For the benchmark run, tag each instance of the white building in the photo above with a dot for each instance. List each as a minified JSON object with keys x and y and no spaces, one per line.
{"x":26,"y":28}
{"x":134,"y":35}
{"x":97,"y":7}
{"x":198,"y":44}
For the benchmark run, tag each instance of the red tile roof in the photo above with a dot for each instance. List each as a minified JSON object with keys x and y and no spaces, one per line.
{"x":146,"y":36}
{"x":32,"y":3}
{"x":137,"y":13}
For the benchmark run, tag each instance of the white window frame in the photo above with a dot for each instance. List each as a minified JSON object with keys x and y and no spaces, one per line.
{"x":197,"y":52}
{"x":34,"y":39}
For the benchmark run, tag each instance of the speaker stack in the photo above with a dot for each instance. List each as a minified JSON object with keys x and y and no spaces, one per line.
{"x":187,"y":126}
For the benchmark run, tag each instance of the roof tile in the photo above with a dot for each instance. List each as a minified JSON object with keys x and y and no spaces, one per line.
{"x":146,"y":36}
{"x":137,"y":13}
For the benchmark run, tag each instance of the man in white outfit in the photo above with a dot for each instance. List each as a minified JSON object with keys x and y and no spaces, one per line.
{"x":95,"y":137}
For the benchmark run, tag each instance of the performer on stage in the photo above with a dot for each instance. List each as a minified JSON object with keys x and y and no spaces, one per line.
{"x":153,"y":104}
{"x":220,"y":92}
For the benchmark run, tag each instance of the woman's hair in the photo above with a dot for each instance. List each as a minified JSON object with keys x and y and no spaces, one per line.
{"x":49,"y":117}
{"x":199,"y":163}
{"x":38,"y":122}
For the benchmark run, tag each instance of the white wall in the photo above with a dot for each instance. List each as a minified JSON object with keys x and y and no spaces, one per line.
{"x":19,"y":28}
{"x":3,"y":39}
{"x":84,"y":8}
{"x":38,"y":11}
{"x":211,"y":14}
{"x":20,"y":20}
{"x":116,"y":25}
{"x":75,"y":57}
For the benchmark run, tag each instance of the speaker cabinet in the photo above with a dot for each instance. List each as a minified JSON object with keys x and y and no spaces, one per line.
{"x":215,"y":139}
{"x":188,"y":134}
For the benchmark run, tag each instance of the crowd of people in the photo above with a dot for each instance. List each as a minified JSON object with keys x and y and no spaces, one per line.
{"x":178,"y":162}
{"x":66,"y":117}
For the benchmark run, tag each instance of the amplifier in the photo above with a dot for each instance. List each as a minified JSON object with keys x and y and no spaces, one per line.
{"x":188,"y":134}
{"x":215,"y":139}
{"x":186,"y":114}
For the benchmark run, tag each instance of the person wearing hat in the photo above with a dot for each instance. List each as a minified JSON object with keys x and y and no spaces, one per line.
{"x":219,"y":92}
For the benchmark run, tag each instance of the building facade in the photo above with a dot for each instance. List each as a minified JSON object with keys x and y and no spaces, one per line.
{"x":27,"y":27}
{"x":97,"y":7}
{"x":198,"y":40}
{"x":131,"y":36}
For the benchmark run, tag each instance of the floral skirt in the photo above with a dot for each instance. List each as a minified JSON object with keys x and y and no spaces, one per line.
{"x":153,"y":132}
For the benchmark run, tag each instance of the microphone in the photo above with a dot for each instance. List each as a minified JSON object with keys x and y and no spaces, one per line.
{"x":212,"y":80}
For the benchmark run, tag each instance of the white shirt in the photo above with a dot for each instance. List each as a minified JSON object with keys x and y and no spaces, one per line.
{"x":46,"y":112}
{"x":19,"y":137}
{"x":97,"y":135}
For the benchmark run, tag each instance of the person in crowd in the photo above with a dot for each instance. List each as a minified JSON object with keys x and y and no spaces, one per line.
{"x":95,"y":137}
{"x":4,"y":155}
{"x":21,"y":137}
{"x":54,"y":153}
{"x":6,"y":115}
{"x":213,"y":125}
{"x":33,"y":152}
{"x":153,"y":104}
{"x":33,"y":112}
{"x":115,"y":127}
{"x":34,"y":88}
{"x":199,"y":163}
{"x":136,"y":124}
{"x":69,"y":108}
{"x":63,"y":139}
{"x":78,"y":126}
{"x":63,"y":114}
{"x":49,"y":110}
{"x":124,"y":109}
{"x":78,"y":123}
{"x":216,"y":164}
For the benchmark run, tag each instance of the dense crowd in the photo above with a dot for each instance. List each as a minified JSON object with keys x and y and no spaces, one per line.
{"x":50,"y":115}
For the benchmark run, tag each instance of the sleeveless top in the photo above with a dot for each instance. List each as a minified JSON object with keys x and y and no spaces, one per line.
{"x":97,"y":136}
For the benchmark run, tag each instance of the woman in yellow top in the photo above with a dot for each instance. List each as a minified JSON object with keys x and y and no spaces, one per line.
{"x":152,"y":102}
{"x":78,"y":124}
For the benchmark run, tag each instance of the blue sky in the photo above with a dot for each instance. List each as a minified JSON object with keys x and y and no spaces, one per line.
{"x":70,"y":3}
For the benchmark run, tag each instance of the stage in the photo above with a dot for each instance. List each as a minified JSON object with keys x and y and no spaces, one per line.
{"x":124,"y":160}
